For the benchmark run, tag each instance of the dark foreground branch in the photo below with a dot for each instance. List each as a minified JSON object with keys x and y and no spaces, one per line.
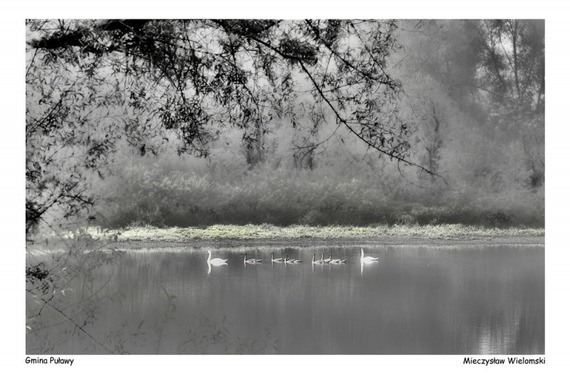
{"x":74,"y":323}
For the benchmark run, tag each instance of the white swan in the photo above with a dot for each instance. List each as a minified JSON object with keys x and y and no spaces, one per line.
{"x":276,"y":260}
{"x":326,"y":261}
{"x":292,"y":261}
{"x":250,"y":261}
{"x":215,"y":262}
{"x":366,"y":259}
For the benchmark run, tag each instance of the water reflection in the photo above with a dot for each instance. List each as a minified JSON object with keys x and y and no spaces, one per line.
{"x":413,"y":300}
{"x":363,"y":264}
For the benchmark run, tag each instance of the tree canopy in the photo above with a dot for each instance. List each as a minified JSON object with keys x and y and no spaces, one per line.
{"x":94,"y":86}
{"x":92,"y":83}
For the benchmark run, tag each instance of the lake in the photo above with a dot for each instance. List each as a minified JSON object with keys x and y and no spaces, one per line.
{"x":414,"y":300}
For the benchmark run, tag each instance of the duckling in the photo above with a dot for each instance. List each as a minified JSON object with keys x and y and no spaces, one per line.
{"x":292,"y":261}
{"x":250,"y":261}
{"x":320,"y":261}
{"x":337,"y":261}
{"x":276,"y":260}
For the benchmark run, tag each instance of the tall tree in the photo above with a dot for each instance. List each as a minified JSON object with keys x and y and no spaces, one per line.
{"x":489,"y":71}
{"x":512,"y":68}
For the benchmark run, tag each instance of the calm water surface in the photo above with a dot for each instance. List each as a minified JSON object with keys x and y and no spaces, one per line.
{"x":415,"y":300}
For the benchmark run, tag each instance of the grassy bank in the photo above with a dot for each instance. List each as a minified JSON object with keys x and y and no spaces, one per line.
{"x":300,"y":235}
{"x":266,"y":231}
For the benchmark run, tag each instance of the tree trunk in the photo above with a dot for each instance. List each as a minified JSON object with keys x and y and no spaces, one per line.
{"x":514,"y":28}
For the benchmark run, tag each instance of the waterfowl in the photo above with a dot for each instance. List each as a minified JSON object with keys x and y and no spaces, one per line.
{"x":337,"y":261}
{"x":216,"y":261}
{"x":250,"y":261}
{"x":326,"y":261}
{"x":320,"y":261}
{"x":292,"y":261}
{"x":276,"y":260}
{"x":366,"y":259}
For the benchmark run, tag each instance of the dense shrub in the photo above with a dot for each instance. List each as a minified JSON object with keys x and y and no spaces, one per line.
{"x":196,"y":192}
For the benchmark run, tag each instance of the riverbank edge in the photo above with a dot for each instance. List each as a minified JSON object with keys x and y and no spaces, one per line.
{"x":231,"y":236}
{"x":313,"y":242}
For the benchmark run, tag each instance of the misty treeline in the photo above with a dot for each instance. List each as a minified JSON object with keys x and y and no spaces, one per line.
{"x":196,"y":122}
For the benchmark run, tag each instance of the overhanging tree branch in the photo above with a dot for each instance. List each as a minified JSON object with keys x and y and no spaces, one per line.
{"x":339,"y":117}
{"x":345,"y":123}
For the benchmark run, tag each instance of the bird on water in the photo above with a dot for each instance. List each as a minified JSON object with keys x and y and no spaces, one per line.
{"x":216,"y":261}
{"x":250,"y":261}
{"x":276,"y":260}
{"x":367,"y":259}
